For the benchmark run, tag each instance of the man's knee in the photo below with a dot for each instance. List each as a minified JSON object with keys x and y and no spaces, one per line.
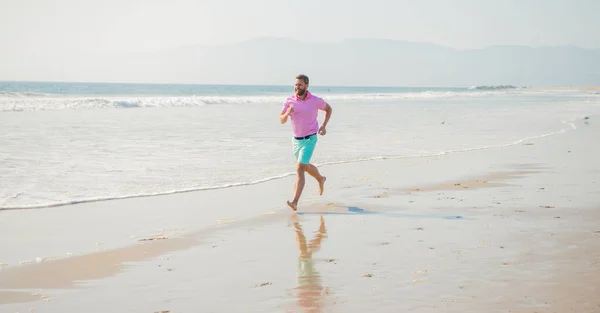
{"x":301,"y":167}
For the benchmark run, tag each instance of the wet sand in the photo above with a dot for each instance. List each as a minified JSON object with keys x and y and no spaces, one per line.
{"x":490,"y":180}
{"x":389,"y":235}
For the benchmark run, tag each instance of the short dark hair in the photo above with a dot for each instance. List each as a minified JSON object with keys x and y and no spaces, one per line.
{"x":303,"y":77}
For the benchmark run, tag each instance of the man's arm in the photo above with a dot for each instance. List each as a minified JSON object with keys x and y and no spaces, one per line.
{"x":323,"y":128}
{"x":328,"y":111}
{"x":283,"y":117}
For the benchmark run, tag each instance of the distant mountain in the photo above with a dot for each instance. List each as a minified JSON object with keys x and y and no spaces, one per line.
{"x":363,"y":62}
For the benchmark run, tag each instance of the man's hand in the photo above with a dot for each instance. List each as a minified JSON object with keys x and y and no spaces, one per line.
{"x":322,"y":131}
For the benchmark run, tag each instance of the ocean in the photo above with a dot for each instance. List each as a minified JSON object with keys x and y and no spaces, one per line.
{"x":64,"y":143}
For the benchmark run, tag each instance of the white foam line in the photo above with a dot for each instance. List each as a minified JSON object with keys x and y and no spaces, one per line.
{"x":57,"y":204}
{"x":65,"y":203}
{"x":571,"y":125}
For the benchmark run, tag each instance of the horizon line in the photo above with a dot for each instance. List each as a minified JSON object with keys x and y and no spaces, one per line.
{"x":242,"y":41}
{"x":262,"y":85}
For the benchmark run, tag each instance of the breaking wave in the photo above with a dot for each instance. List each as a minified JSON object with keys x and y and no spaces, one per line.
{"x":26,"y":101}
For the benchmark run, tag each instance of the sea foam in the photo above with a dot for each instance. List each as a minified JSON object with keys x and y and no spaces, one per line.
{"x":43,"y":102}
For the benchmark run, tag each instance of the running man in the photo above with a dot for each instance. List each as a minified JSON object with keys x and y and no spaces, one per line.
{"x":303,"y":109}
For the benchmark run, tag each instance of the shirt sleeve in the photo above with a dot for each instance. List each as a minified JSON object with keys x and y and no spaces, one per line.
{"x":321,"y":104}
{"x":284,"y":106}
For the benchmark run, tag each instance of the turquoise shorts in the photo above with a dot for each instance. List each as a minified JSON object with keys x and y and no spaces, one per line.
{"x":304,"y":148}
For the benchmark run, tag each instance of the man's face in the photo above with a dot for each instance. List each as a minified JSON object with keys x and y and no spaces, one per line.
{"x":300,"y":87}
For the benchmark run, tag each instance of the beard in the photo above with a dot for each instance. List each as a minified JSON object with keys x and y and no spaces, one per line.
{"x":300,"y":92}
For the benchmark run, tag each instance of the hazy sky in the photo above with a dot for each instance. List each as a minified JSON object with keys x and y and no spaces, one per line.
{"x":76,"y":39}
{"x":31,"y":26}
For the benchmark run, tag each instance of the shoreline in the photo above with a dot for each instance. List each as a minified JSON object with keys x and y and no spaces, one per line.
{"x":287,"y":175}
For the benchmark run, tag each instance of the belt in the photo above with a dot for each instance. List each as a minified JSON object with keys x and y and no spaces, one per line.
{"x":305,"y":137}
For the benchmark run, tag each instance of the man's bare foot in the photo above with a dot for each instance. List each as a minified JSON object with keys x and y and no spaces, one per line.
{"x":322,"y":185}
{"x":292,"y":205}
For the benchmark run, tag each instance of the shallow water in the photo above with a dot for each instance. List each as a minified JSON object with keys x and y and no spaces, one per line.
{"x":70,"y":146}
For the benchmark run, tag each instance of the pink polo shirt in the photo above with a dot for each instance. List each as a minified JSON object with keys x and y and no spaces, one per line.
{"x":304,"y":118}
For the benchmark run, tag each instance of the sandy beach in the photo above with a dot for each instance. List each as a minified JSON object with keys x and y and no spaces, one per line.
{"x":511,"y":229}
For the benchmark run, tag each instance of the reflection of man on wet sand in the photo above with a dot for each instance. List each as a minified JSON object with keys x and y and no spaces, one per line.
{"x":310,"y":290}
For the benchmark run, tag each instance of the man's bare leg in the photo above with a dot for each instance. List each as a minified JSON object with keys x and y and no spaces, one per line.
{"x":314,"y":172}
{"x":298,"y":186}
